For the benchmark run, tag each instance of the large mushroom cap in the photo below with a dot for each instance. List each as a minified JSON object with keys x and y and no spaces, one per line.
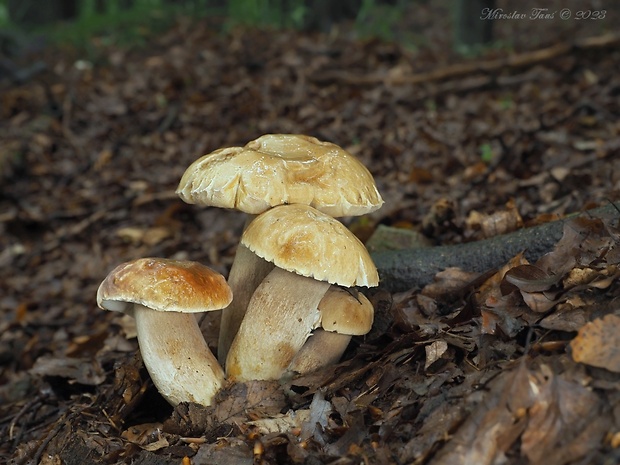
{"x":164,"y":285}
{"x":278,"y":169}
{"x":303,"y":240}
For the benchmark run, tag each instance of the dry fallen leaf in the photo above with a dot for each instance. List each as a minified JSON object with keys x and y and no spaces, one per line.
{"x":148,"y":236}
{"x":495,"y":423}
{"x":147,"y":435}
{"x":538,"y":301}
{"x":434,"y":352}
{"x":562,"y":410}
{"x":598,"y":343}
{"x":293,"y":419}
{"x":500,"y":222}
{"x":83,"y":371}
{"x":317,"y":419}
{"x":490,"y":289}
{"x":530,"y":278}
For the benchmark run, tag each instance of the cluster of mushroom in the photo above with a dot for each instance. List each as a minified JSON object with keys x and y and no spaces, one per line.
{"x":291,"y":308}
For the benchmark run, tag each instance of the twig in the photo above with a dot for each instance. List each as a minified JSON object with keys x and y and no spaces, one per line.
{"x":460,"y":70}
{"x":60,"y":424}
{"x":27,"y":406}
{"x":67,"y":232}
{"x":67,"y":112}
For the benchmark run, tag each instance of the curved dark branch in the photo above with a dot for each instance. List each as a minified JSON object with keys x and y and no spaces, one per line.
{"x":400,"y":270}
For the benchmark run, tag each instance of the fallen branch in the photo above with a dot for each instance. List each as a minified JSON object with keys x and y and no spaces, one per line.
{"x":461,"y":70}
{"x":400,"y":270}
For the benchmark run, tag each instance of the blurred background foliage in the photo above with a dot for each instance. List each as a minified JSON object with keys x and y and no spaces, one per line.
{"x":88,"y":26}
{"x":132,"y":22}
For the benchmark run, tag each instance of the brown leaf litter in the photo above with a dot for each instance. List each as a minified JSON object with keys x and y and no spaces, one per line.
{"x":513,"y":364}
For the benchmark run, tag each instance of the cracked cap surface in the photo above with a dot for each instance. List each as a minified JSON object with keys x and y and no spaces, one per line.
{"x":278,"y":169}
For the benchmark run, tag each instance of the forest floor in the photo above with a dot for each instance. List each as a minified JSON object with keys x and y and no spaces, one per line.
{"x":515,"y":365}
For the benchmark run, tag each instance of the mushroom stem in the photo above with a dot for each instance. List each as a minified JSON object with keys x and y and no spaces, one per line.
{"x":344,"y":313}
{"x":246,"y":273}
{"x":279,"y":318}
{"x":176,"y":356}
{"x":323,"y":348}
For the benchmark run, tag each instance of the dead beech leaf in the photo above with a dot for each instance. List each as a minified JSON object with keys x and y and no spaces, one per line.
{"x":159,"y":444}
{"x":128,"y":324}
{"x":507,"y":315}
{"x":87,"y":344}
{"x":450,"y":280}
{"x":235,"y":404}
{"x":490,"y":289}
{"x":131,"y":234}
{"x":510,"y":322}
{"x":491,"y":429}
{"x":434,"y":352}
{"x":538,"y":301}
{"x":562,"y":410}
{"x":154,"y":236}
{"x":256,"y":399}
{"x":579,"y":276}
{"x":530,"y":278}
{"x":148,"y":236}
{"x":354,"y":435}
{"x":281,"y":423}
{"x":83,"y":371}
{"x":445,"y":417}
{"x":497,"y":223}
{"x":569,"y":315}
{"x":598,"y":343}
{"x":317,"y":420}
{"x":489,"y":321}
{"x":147,"y":435}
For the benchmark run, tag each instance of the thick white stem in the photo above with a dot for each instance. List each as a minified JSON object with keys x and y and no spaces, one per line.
{"x":323,"y":348}
{"x":280,"y":316}
{"x":176,"y":356}
{"x":246,"y":273}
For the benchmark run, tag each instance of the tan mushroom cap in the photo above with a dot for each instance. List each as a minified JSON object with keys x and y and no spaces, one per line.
{"x":278,"y":169}
{"x":346,"y":312}
{"x":164,"y":285}
{"x":301,"y":239}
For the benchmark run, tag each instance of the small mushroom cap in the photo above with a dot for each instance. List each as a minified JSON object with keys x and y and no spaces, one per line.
{"x":346,"y":312}
{"x":164,"y":285}
{"x":301,"y":239}
{"x":278,"y":169}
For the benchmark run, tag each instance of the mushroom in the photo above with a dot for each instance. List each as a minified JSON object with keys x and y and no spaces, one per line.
{"x":275,"y":169}
{"x":344,"y":313}
{"x":278,"y":169}
{"x":310,"y":251}
{"x":162,"y":295}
